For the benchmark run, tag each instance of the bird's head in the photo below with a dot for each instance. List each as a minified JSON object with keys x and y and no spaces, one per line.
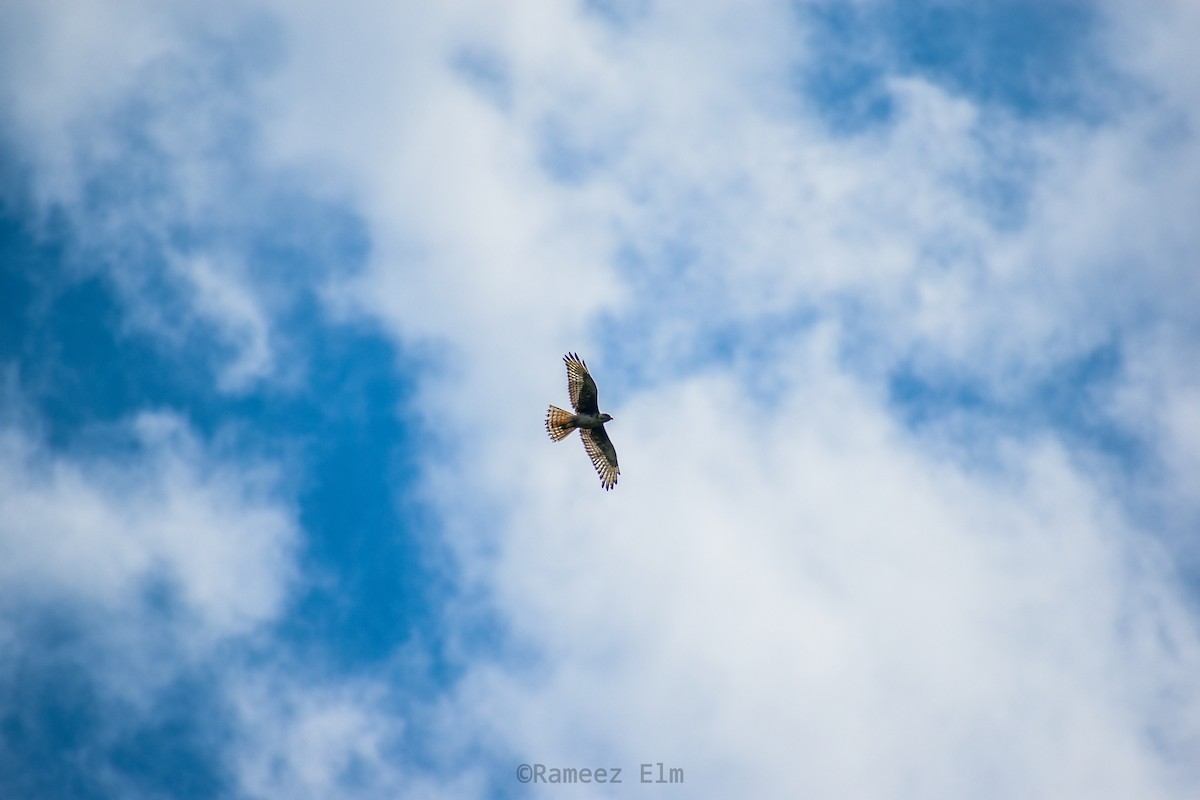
{"x":606,"y":417}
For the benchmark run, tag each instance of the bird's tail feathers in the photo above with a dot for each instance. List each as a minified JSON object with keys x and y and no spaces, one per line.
{"x":559,"y":423}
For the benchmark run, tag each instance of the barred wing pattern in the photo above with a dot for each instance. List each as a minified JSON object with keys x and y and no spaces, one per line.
{"x":603,"y":455}
{"x":587,"y":419}
{"x":584,"y":398}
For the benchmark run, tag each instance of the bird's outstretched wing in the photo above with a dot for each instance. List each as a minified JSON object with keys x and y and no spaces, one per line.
{"x":584,"y":398}
{"x":603,"y":455}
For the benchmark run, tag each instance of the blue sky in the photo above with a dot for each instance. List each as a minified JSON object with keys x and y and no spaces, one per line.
{"x":894,"y":305}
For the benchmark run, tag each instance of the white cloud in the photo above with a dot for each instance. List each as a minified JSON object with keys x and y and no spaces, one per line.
{"x":100,"y":534}
{"x":301,"y":732}
{"x":64,"y":65}
{"x":223,"y":296}
{"x":125,"y":117}
{"x":789,"y":594}
{"x":779,"y":598}
{"x":310,"y":740}
{"x":800,"y":591}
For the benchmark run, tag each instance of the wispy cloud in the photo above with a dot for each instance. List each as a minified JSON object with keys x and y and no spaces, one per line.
{"x":892,"y":304}
{"x":102,"y":532}
{"x":125,"y":577}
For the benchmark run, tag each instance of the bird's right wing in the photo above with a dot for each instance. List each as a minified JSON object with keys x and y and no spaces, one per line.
{"x":584,"y":398}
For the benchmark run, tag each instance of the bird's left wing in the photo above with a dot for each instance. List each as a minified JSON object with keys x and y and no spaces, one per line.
{"x":602,"y":453}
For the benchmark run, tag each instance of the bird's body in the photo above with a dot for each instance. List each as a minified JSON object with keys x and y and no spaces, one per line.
{"x":587,"y":419}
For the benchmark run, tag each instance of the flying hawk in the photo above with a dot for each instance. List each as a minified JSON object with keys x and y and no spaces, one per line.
{"x":587,"y":418}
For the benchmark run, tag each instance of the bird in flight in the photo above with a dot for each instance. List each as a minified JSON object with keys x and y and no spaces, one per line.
{"x":587,"y":418}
